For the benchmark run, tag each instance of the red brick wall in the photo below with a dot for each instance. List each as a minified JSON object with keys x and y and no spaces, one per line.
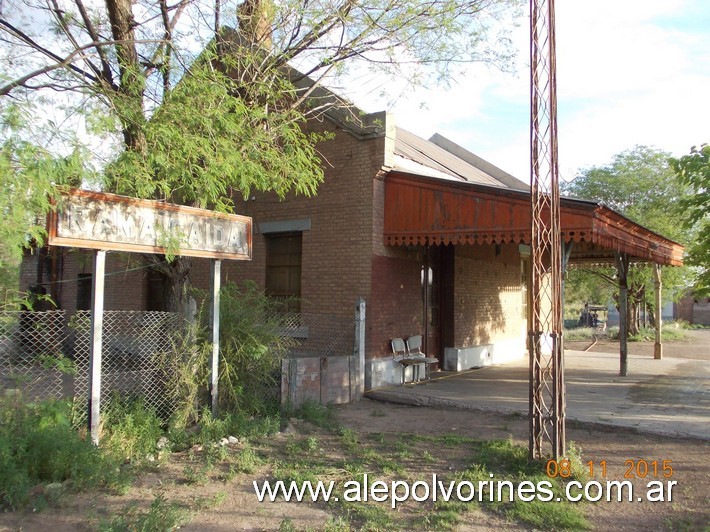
{"x":336,"y":265}
{"x":701,"y":311}
{"x":487,"y":297}
{"x":683,"y":309}
{"x":395,"y":308}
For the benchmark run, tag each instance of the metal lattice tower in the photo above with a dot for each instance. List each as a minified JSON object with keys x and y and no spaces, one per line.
{"x":547,"y":390}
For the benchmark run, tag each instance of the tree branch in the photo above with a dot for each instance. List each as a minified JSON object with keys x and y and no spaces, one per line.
{"x":62,"y":63}
{"x":608,"y":278}
{"x":106,"y":73}
{"x":36,"y":46}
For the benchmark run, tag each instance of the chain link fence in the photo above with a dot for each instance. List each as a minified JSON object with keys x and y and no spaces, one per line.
{"x":321,"y":335}
{"x":46,"y":355}
{"x":131,"y":343}
{"x":31,"y":351}
{"x":299,"y":340}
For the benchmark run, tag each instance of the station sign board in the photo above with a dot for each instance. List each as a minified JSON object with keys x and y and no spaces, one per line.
{"x":98,"y":220}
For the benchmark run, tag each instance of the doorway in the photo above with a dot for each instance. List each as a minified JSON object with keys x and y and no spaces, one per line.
{"x":437,"y":279}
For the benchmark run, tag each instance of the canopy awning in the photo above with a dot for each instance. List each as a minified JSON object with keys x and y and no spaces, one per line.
{"x":422,"y":210}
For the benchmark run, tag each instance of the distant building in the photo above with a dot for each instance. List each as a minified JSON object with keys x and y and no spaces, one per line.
{"x":694,"y":310}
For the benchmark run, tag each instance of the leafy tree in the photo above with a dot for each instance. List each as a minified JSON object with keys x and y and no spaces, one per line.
{"x":640,"y":184}
{"x":191,"y":111}
{"x":693,"y":171}
{"x":29,"y":177}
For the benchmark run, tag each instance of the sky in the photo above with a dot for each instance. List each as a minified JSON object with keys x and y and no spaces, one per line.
{"x":629,"y":72}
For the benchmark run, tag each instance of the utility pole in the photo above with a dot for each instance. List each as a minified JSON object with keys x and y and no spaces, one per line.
{"x":547,"y":385}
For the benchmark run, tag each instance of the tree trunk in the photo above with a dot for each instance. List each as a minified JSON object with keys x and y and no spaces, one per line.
{"x":636,"y":300}
{"x":129,"y":100}
{"x":176,"y":280}
{"x":632,"y":317}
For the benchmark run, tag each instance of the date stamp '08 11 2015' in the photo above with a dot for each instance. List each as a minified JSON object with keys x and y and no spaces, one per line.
{"x":633,"y":468}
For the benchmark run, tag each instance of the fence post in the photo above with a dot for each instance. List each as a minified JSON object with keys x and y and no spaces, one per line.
{"x":214,"y":373}
{"x":359,"y":351}
{"x":97,"y":320}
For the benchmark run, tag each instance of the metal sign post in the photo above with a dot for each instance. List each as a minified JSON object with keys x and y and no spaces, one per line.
{"x":97,"y":320}
{"x":214,"y":315}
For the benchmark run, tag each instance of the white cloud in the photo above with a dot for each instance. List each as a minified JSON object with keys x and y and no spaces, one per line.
{"x":629,"y":72}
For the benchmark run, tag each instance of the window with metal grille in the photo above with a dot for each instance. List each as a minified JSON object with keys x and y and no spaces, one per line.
{"x":283,"y":269}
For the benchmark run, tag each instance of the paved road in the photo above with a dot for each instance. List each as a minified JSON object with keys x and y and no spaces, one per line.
{"x":669,"y":396}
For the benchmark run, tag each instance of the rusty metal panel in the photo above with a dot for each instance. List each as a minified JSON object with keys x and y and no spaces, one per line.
{"x":617,"y":233}
{"x":420,"y":211}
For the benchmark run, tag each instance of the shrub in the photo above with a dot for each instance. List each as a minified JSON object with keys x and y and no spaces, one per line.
{"x":39,"y":446}
{"x":579,"y":335}
{"x":130,"y":429}
{"x":251,"y":349}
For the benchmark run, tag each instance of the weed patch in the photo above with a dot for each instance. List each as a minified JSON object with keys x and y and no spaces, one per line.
{"x":130,"y":429}
{"x":403,"y":457}
{"x":161,"y":516}
{"x":39,"y":446}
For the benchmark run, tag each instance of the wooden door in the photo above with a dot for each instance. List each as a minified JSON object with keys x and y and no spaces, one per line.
{"x":431,"y":290}
{"x":438,"y":300}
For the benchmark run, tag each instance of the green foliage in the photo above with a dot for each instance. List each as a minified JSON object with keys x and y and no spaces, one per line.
{"x":595,"y":286}
{"x":547,"y":515}
{"x":58,"y":362}
{"x":508,"y":461}
{"x":671,"y":333}
{"x":29,"y":179}
{"x":185,"y":365}
{"x":317,"y":414}
{"x":579,"y":334}
{"x":38,"y":445}
{"x":693,"y":171}
{"x":203,"y":144}
{"x":247,"y":461}
{"x":252,"y":345}
{"x":161,"y":516}
{"x":640,"y":184}
{"x":131,"y":429}
{"x":244,"y":425}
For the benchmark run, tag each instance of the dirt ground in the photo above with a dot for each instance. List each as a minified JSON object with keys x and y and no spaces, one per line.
{"x":697,"y":346}
{"x":231,"y":504}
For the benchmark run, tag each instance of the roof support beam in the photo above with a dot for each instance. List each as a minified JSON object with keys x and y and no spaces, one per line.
{"x":622,"y":272}
{"x":658,"y":284}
